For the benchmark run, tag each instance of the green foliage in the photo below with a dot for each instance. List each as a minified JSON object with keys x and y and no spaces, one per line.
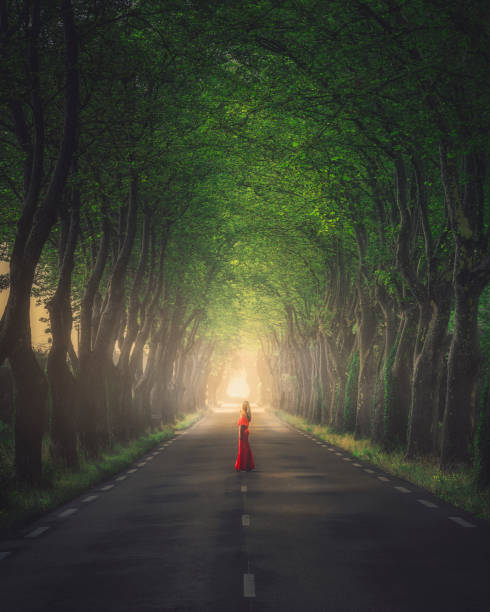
{"x":264,"y":139}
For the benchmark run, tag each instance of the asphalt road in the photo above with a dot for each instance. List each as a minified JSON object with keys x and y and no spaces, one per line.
{"x":310,"y":530}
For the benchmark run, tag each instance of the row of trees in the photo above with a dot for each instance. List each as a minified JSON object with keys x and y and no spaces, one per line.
{"x":181,"y":179}
{"x":109,"y":221}
{"x":389,"y":344}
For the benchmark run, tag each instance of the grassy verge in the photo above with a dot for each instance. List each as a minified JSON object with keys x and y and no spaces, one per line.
{"x":22,"y":504}
{"x":457,"y":488}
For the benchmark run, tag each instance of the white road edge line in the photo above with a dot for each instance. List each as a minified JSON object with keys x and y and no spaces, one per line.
{"x":107,"y":488}
{"x":132,"y":471}
{"x":68,"y":512}
{"x":36,"y":532}
{"x":121,"y":478}
{"x":369,"y":471}
{"x":427,"y":504}
{"x":460,"y":521}
{"x":89,"y":499}
{"x":383,"y":479}
{"x":245,"y":520}
{"x":357,"y":464}
{"x":248,"y":585}
{"x":402,"y":489}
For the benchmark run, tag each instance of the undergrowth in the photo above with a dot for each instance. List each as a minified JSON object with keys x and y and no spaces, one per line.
{"x":457,"y":488}
{"x":19,"y":504}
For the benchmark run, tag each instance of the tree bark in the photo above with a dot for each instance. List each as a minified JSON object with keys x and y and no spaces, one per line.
{"x":367,"y":366}
{"x":471,"y":274}
{"x":61,"y":380}
{"x":426,"y":383}
{"x":462,"y":376}
{"x":398,"y":384}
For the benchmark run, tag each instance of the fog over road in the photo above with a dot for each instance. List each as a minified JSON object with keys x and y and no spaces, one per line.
{"x":311,"y":529}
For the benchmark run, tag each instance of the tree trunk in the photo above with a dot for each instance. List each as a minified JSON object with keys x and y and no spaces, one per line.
{"x":425,"y":384}
{"x":465,"y":203}
{"x":367,"y":369}
{"x":399,"y":384}
{"x":463,"y":366}
{"x":390,"y":329}
{"x":30,"y":412}
{"x":350,"y":400}
{"x":61,"y":380}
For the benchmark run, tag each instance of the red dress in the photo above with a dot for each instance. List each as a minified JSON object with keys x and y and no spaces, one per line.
{"x":245,"y":460}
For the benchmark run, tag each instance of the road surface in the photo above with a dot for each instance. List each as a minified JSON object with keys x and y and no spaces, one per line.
{"x":312,"y":529}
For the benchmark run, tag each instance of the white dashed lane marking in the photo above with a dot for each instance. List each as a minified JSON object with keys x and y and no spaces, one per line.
{"x":141,"y":464}
{"x":89,"y":499}
{"x":244,"y":488}
{"x":383,"y":479}
{"x":4,"y":554}
{"x":107,"y":488}
{"x":357,"y":464}
{"x":248,"y":585}
{"x":121,"y":478}
{"x":245,"y":520}
{"x":347,"y":459}
{"x":339,"y":454}
{"x":426,"y":503}
{"x":68,"y":512}
{"x":369,"y":471}
{"x":402,"y":490}
{"x":460,"y":521}
{"x":37,"y":532}
{"x":132,"y":471}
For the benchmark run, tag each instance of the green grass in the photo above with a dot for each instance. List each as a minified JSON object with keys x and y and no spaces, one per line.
{"x":22,"y":504}
{"x":457,"y":488}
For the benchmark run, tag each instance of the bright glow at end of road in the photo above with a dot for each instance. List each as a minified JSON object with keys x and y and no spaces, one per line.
{"x":237,"y":387}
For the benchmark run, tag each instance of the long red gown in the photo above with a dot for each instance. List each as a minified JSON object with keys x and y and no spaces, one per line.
{"x":245,"y":459}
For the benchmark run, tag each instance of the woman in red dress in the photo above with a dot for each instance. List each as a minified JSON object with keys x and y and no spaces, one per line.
{"x":245,"y":460}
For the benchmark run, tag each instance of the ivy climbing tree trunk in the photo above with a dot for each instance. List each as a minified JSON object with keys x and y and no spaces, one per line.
{"x":471,"y":274}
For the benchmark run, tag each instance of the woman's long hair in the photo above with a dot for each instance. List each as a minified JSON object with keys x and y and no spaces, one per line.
{"x":246,"y":410}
